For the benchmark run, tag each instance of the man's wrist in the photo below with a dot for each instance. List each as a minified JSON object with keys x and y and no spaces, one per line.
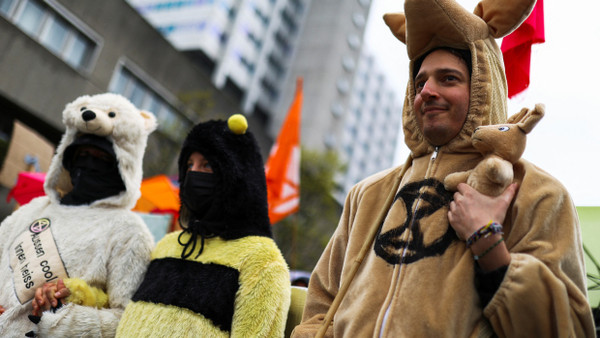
{"x":485,"y":231}
{"x":491,"y":252}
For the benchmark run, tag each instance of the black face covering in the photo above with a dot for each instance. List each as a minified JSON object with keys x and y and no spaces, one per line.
{"x":198,"y":192}
{"x":92,"y":179}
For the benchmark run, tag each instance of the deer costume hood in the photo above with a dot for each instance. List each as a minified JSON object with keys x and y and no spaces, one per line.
{"x":427,"y":25}
{"x":417,"y":278}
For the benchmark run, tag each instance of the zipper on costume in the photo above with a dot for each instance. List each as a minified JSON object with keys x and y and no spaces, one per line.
{"x":435,"y":153}
{"x":418,"y":201}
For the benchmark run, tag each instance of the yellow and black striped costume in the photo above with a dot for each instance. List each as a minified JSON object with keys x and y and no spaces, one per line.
{"x":237,"y":288}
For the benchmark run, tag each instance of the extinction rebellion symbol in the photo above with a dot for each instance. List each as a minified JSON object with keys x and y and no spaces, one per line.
{"x":432,"y":197}
{"x":39,"y":225}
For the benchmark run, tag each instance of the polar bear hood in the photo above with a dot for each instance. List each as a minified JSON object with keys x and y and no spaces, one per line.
{"x":114,"y":117}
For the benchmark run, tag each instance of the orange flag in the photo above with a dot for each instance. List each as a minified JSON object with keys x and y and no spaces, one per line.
{"x":283,"y":166}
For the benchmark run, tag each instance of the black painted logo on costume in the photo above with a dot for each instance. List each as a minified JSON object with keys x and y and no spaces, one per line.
{"x":392,"y":247}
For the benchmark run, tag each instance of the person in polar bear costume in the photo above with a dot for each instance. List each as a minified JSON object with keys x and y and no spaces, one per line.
{"x":83,"y":231}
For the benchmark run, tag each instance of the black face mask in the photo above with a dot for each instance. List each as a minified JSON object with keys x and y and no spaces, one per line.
{"x":197,"y":193}
{"x":92,"y":179}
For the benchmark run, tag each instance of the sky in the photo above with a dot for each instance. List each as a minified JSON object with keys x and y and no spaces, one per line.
{"x":565,"y":76}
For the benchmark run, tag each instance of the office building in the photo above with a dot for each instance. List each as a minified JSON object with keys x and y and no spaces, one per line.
{"x":260,"y":47}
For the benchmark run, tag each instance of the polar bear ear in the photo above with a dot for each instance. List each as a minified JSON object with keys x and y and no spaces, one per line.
{"x":503,"y":16}
{"x":397,"y":24}
{"x":150,"y":123}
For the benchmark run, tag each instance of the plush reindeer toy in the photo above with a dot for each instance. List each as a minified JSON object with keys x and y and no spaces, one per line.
{"x":501,"y":145}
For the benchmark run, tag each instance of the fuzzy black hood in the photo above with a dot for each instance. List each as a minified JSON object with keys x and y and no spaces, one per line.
{"x":240,"y":205}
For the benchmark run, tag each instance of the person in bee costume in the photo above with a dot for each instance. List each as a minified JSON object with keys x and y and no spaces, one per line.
{"x":222,"y":275}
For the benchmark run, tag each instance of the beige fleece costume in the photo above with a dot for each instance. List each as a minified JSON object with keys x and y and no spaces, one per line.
{"x":418,"y":278}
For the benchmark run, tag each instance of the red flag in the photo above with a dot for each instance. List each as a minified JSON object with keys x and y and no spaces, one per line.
{"x":516,"y":49}
{"x":283,"y":166}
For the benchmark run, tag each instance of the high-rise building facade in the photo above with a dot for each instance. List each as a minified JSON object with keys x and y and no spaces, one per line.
{"x":249,"y":42}
{"x":262,"y":46}
{"x":371,"y":124}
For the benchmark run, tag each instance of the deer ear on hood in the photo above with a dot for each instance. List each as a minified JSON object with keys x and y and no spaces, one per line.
{"x":397,"y":24}
{"x":447,"y":23}
{"x":503,"y":16}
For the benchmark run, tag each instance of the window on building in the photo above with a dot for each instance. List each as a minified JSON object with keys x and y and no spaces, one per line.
{"x":364,"y":3}
{"x":343,"y":86}
{"x":337,"y":109}
{"x":231,"y":12}
{"x":253,"y":38}
{"x":348,"y":63}
{"x":244,"y":61}
{"x":145,"y":98}
{"x":263,"y":18}
{"x":282,"y":42}
{"x":288,"y":19}
{"x":52,"y":30}
{"x":353,"y":41}
{"x":276,"y":65}
{"x":357,"y":113}
{"x":298,"y":6}
{"x":359,"y":20}
{"x":330,"y":141}
{"x":269,"y":88}
{"x":6,"y":6}
{"x":56,"y":35}
{"x":78,"y":50}
{"x":363,"y":96}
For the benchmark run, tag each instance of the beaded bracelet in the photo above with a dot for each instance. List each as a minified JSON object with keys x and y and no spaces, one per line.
{"x":478,"y":257}
{"x":485,"y":231}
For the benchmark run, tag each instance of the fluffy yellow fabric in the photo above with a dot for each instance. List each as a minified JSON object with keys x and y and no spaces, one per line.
{"x":167,"y":321}
{"x":261,"y":302}
{"x":84,"y":294}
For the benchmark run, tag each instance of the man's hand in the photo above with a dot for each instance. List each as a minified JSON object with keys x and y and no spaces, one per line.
{"x":471,"y":210}
{"x":47,"y":296}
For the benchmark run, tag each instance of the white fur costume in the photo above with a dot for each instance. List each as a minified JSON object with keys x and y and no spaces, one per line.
{"x":104,"y":243}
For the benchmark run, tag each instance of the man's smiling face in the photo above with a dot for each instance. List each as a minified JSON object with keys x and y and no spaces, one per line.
{"x":442,"y":93}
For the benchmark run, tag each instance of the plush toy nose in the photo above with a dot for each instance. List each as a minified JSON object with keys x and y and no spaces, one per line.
{"x":88,"y":115}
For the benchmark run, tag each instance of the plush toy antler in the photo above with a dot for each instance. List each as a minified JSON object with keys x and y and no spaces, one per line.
{"x":502,"y":145}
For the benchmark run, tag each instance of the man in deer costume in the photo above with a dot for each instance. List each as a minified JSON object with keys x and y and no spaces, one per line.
{"x":412,"y":259}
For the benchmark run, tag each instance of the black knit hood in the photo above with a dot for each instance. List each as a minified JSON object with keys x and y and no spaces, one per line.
{"x":240,"y":207}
